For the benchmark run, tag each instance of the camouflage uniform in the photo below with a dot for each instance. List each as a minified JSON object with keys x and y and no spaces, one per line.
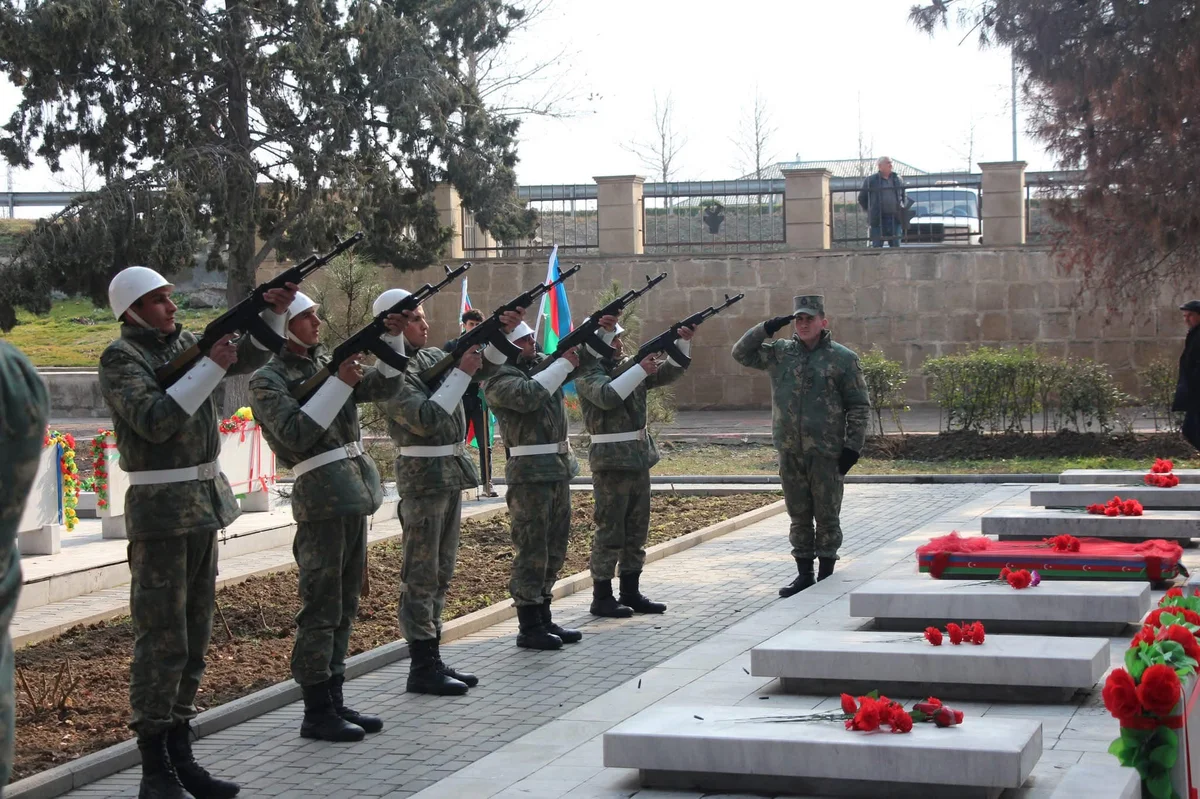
{"x":620,"y":469}
{"x":430,"y":496}
{"x":538,"y":495}
{"x":172,"y":527}
{"x":331,"y":505}
{"x":819,"y":405}
{"x":24,"y":408}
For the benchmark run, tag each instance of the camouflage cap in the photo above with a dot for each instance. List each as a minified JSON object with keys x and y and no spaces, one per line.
{"x":811,"y":304}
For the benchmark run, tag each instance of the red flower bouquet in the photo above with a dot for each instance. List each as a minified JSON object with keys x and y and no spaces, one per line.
{"x":873,"y":713}
{"x":1117,"y":507}
{"x":957,"y":633}
{"x":1162,"y":466}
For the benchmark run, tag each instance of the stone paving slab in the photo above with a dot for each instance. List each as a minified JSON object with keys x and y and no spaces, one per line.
{"x":711,"y":591}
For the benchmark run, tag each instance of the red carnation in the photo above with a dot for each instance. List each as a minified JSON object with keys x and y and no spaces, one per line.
{"x":1176,"y":591}
{"x":1190,"y":616}
{"x":933,"y":635}
{"x":958,"y":717}
{"x":955,"y":632}
{"x":901,"y":721}
{"x":1159,"y":689}
{"x":1182,"y":636}
{"x":1096,"y":509}
{"x":945,"y":717}
{"x":867,"y":717}
{"x":849,"y":705}
{"x":1144,"y":635}
{"x":1004,"y":572}
{"x":975,"y":632}
{"x":1131,"y":507}
{"x":928,"y":706}
{"x":1020,"y":579}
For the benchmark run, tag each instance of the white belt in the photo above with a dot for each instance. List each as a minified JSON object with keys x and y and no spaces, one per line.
{"x":613,"y":438}
{"x":351,"y":450}
{"x":151,"y":477}
{"x":561,"y":448}
{"x":434,"y":452}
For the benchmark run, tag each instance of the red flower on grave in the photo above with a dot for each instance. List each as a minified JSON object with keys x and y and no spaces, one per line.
{"x":945,"y":717}
{"x":901,"y":721}
{"x":975,"y":632}
{"x":1004,"y":572}
{"x":1162,"y":466}
{"x":956,"y":634}
{"x":1159,"y":689}
{"x":1096,"y":509}
{"x":867,"y":717}
{"x":1131,"y":507}
{"x":1176,"y":591}
{"x":849,"y":705}
{"x":1064,"y":543}
{"x":1120,"y":695}
{"x":928,"y":706}
{"x":1144,"y":635}
{"x":958,"y":717}
{"x":933,"y":635}
{"x":1182,"y":636}
{"x":1020,"y":579}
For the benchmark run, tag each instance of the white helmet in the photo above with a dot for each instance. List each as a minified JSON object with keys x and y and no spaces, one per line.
{"x":519,"y":332}
{"x":387,"y":299}
{"x":608,"y":336}
{"x":131,"y":284}
{"x":302,"y":303}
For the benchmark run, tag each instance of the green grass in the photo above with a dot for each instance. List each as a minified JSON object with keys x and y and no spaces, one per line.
{"x":74,"y":333}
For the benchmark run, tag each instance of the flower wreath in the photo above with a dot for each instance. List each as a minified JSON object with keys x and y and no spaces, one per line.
{"x":70,"y":474}
{"x":99,"y":480}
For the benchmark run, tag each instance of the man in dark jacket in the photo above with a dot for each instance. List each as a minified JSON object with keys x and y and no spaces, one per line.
{"x":882,"y":197}
{"x":1187,"y":389}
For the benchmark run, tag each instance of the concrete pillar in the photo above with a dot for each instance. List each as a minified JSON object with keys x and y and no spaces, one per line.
{"x":1003,"y":203}
{"x":449,"y":208}
{"x":806,"y":208}
{"x":619,"y":214}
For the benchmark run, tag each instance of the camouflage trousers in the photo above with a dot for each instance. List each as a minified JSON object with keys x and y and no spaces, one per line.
{"x":622,"y":517}
{"x":10,"y":590}
{"x":171,"y":600}
{"x":812,"y":491}
{"x":331,"y":554}
{"x":540,"y":514}
{"x":431,"y":524}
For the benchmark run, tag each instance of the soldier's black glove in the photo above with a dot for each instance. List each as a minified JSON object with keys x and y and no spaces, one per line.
{"x":847,"y":460}
{"x":773,"y":326}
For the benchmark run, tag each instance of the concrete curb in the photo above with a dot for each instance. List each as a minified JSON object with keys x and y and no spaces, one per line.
{"x":90,"y":768}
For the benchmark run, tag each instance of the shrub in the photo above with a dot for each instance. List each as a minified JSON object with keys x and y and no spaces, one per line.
{"x":885,"y":384}
{"x":1158,"y":391}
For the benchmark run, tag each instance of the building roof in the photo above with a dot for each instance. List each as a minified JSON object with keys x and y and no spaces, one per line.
{"x":843,"y":168}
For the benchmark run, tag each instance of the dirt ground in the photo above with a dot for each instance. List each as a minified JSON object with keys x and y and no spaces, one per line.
{"x":973,"y":446}
{"x":72,"y":691}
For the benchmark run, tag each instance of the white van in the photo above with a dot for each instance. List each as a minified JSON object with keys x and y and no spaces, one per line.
{"x":943,"y":215}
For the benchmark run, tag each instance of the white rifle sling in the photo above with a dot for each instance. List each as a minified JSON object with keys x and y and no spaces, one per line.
{"x":627,"y":382}
{"x":323,"y":406}
{"x":191,"y":390}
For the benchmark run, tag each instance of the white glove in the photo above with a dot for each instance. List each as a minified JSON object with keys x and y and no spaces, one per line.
{"x":324,"y":406}
{"x":554,"y":375}
{"x":629,"y":380}
{"x":397,"y":344}
{"x":191,"y":390}
{"x":451,"y":390}
{"x":685,"y":347}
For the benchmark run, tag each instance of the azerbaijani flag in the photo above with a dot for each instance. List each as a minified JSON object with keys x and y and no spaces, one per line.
{"x":554,"y":312}
{"x":465,"y":305}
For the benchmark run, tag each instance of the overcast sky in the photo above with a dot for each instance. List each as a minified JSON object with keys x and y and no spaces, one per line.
{"x":819,"y":66}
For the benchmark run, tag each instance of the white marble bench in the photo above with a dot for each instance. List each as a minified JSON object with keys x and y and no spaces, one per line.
{"x":1019,"y":524}
{"x":1120,"y":476}
{"x":1098,"y":781}
{"x":725,"y":749}
{"x":1056,"y":607}
{"x":1012,"y":668}
{"x":1181,"y":497}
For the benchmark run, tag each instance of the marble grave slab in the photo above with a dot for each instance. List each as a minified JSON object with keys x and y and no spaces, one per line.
{"x":746,"y":749}
{"x":1056,"y":607}
{"x":1181,"y":497}
{"x":1120,"y":477}
{"x":1023,"y":524}
{"x":1005,"y":668}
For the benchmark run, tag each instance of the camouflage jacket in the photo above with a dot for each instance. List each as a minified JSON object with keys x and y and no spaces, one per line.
{"x":819,"y":398}
{"x":349,"y":487}
{"x":605,"y":412}
{"x":153,"y":432}
{"x":415,"y":421}
{"x":528,"y":414}
{"x":24,"y":409}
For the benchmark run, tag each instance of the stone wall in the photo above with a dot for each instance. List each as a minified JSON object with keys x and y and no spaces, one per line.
{"x":911,"y":303}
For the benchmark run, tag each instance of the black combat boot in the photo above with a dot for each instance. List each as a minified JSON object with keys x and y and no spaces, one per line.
{"x":368,"y":722}
{"x":631,"y":595}
{"x":567,"y":635}
{"x":805,"y":580}
{"x":533,"y":633}
{"x":321,"y":720}
{"x":825,"y":567}
{"x":605,"y":604}
{"x":159,"y":780}
{"x":424,"y":677}
{"x":469,"y":680}
{"x":198,"y":782}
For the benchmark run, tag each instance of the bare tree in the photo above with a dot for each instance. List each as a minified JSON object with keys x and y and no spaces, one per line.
{"x":968,"y":149}
{"x":866,"y":146}
{"x":660,"y":155}
{"x":754,"y":135}
{"x":76,"y":172}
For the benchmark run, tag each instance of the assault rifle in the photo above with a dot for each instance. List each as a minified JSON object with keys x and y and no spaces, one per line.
{"x":244,"y":317}
{"x":665,"y":341}
{"x":588,"y":332}
{"x":368,"y":338}
{"x":490,"y":331}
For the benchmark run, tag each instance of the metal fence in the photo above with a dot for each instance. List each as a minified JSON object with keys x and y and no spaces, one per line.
{"x":567,"y":216}
{"x":935,"y":209}
{"x":713,"y":216}
{"x":1041,"y":189}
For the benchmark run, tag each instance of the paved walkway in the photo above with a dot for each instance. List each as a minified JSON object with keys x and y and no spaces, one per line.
{"x":535,"y":708}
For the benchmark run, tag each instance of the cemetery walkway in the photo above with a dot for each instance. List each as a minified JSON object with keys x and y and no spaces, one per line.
{"x":532,"y":727}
